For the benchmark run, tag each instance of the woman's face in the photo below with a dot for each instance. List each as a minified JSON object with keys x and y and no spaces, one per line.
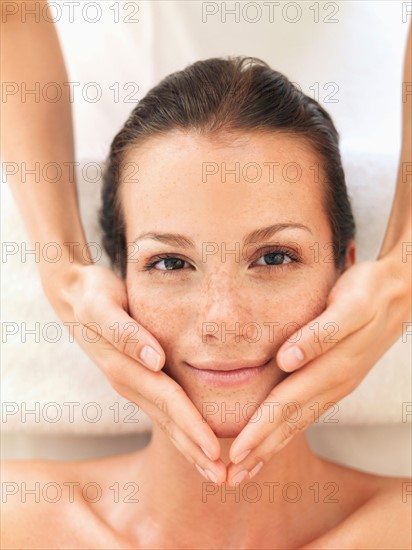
{"x":230,"y":292}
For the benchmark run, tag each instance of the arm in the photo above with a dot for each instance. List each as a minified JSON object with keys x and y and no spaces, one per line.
{"x":39,"y":132}
{"x":371,"y":305}
{"x":399,"y":226}
{"x":42,"y":132}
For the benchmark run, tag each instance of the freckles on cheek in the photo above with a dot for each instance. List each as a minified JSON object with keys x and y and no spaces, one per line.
{"x":161,"y":320}
{"x":302,"y":307}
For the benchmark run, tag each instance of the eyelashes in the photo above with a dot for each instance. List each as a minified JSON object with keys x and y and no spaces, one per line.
{"x":161,"y":257}
{"x":177,"y":264}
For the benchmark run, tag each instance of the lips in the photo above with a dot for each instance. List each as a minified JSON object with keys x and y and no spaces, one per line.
{"x":229,"y":366}
{"x":229,"y":375}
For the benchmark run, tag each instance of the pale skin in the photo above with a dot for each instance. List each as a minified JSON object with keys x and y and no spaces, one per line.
{"x":31,"y":53}
{"x":161,"y":500}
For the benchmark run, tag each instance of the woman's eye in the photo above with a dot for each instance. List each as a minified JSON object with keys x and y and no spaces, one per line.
{"x":275,"y":259}
{"x":169,"y":263}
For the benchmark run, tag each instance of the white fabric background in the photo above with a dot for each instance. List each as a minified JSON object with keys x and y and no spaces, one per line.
{"x":362,"y":54}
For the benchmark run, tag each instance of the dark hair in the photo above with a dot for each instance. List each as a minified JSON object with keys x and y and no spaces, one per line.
{"x":220,"y":96}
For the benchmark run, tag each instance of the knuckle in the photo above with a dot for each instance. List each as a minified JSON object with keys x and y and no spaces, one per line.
{"x":81,"y":310}
{"x":262,"y":457}
{"x":85,"y":307}
{"x":127,"y":341}
{"x":176,"y":393}
{"x":316,"y":346}
{"x":341,"y":378}
{"x":290,"y":429}
{"x":161,"y":403}
{"x":361,"y":298}
{"x":166,"y":425}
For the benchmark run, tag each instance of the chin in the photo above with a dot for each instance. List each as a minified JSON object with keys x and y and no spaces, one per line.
{"x":227,"y":410}
{"x":228,"y":415}
{"x":226,"y":430}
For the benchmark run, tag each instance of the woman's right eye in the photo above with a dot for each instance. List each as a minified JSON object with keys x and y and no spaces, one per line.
{"x":170,"y":263}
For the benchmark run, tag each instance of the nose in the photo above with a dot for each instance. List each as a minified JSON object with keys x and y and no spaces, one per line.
{"x":224,"y":312}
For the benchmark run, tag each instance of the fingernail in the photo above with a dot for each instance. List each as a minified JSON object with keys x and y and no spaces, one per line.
{"x":240,"y":476}
{"x":207,"y":453}
{"x":207,"y":474}
{"x":255,"y":470}
{"x":150,"y":358}
{"x":201,"y":470}
{"x":240,"y":457}
{"x":291,"y":358}
{"x":211,"y":475}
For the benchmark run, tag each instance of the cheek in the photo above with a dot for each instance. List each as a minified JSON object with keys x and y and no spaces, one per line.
{"x":296,"y":305}
{"x":165,"y":321}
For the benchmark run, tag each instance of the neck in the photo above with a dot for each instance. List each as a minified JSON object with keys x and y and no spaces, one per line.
{"x":184,"y":506}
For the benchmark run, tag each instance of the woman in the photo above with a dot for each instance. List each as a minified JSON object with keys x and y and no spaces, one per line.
{"x":226,"y":210}
{"x":32,"y":54}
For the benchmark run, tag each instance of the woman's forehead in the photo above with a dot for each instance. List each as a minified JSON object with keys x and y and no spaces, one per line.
{"x":253,"y":166}
{"x":177,"y":149}
{"x":271,"y":177}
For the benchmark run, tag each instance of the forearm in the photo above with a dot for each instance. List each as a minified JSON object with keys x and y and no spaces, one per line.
{"x":398,"y":233}
{"x":37,"y":132}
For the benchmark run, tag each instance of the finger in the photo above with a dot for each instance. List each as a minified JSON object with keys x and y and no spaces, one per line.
{"x":214,"y":471}
{"x":326,"y":375}
{"x":166,"y":395}
{"x":277,"y":440}
{"x":172,"y":400}
{"x":323,"y":333}
{"x":112,"y":322}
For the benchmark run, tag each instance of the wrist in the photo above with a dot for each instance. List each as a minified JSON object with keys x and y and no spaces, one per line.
{"x":397,"y":265}
{"x":58,"y":257}
{"x":397,"y":251}
{"x":58,"y":277}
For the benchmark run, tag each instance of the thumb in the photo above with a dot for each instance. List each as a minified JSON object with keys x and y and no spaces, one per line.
{"x":321,"y":334}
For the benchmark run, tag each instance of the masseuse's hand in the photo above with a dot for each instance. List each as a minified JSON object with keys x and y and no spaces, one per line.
{"x":79,"y":293}
{"x":370,"y":305}
{"x":93,"y":298}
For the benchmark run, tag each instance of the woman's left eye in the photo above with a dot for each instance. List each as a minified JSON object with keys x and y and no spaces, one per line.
{"x":170,"y":264}
{"x":276,"y":258}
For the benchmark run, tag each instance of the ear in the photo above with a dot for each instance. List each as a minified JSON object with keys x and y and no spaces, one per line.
{"x":350,"y":258}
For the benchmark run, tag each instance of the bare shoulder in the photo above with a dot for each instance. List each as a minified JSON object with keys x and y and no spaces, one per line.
{"x":33,"y":509}
{"x":44,"y":505}
{"x":383,"y":521}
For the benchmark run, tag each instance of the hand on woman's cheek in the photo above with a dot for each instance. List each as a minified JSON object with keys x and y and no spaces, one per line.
{"x":192,"y":329}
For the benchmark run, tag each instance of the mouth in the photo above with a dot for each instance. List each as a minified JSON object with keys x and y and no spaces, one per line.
{"x":227,"y":374}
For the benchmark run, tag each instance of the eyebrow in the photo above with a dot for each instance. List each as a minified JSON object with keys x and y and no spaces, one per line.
{"x":262,"y":234}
